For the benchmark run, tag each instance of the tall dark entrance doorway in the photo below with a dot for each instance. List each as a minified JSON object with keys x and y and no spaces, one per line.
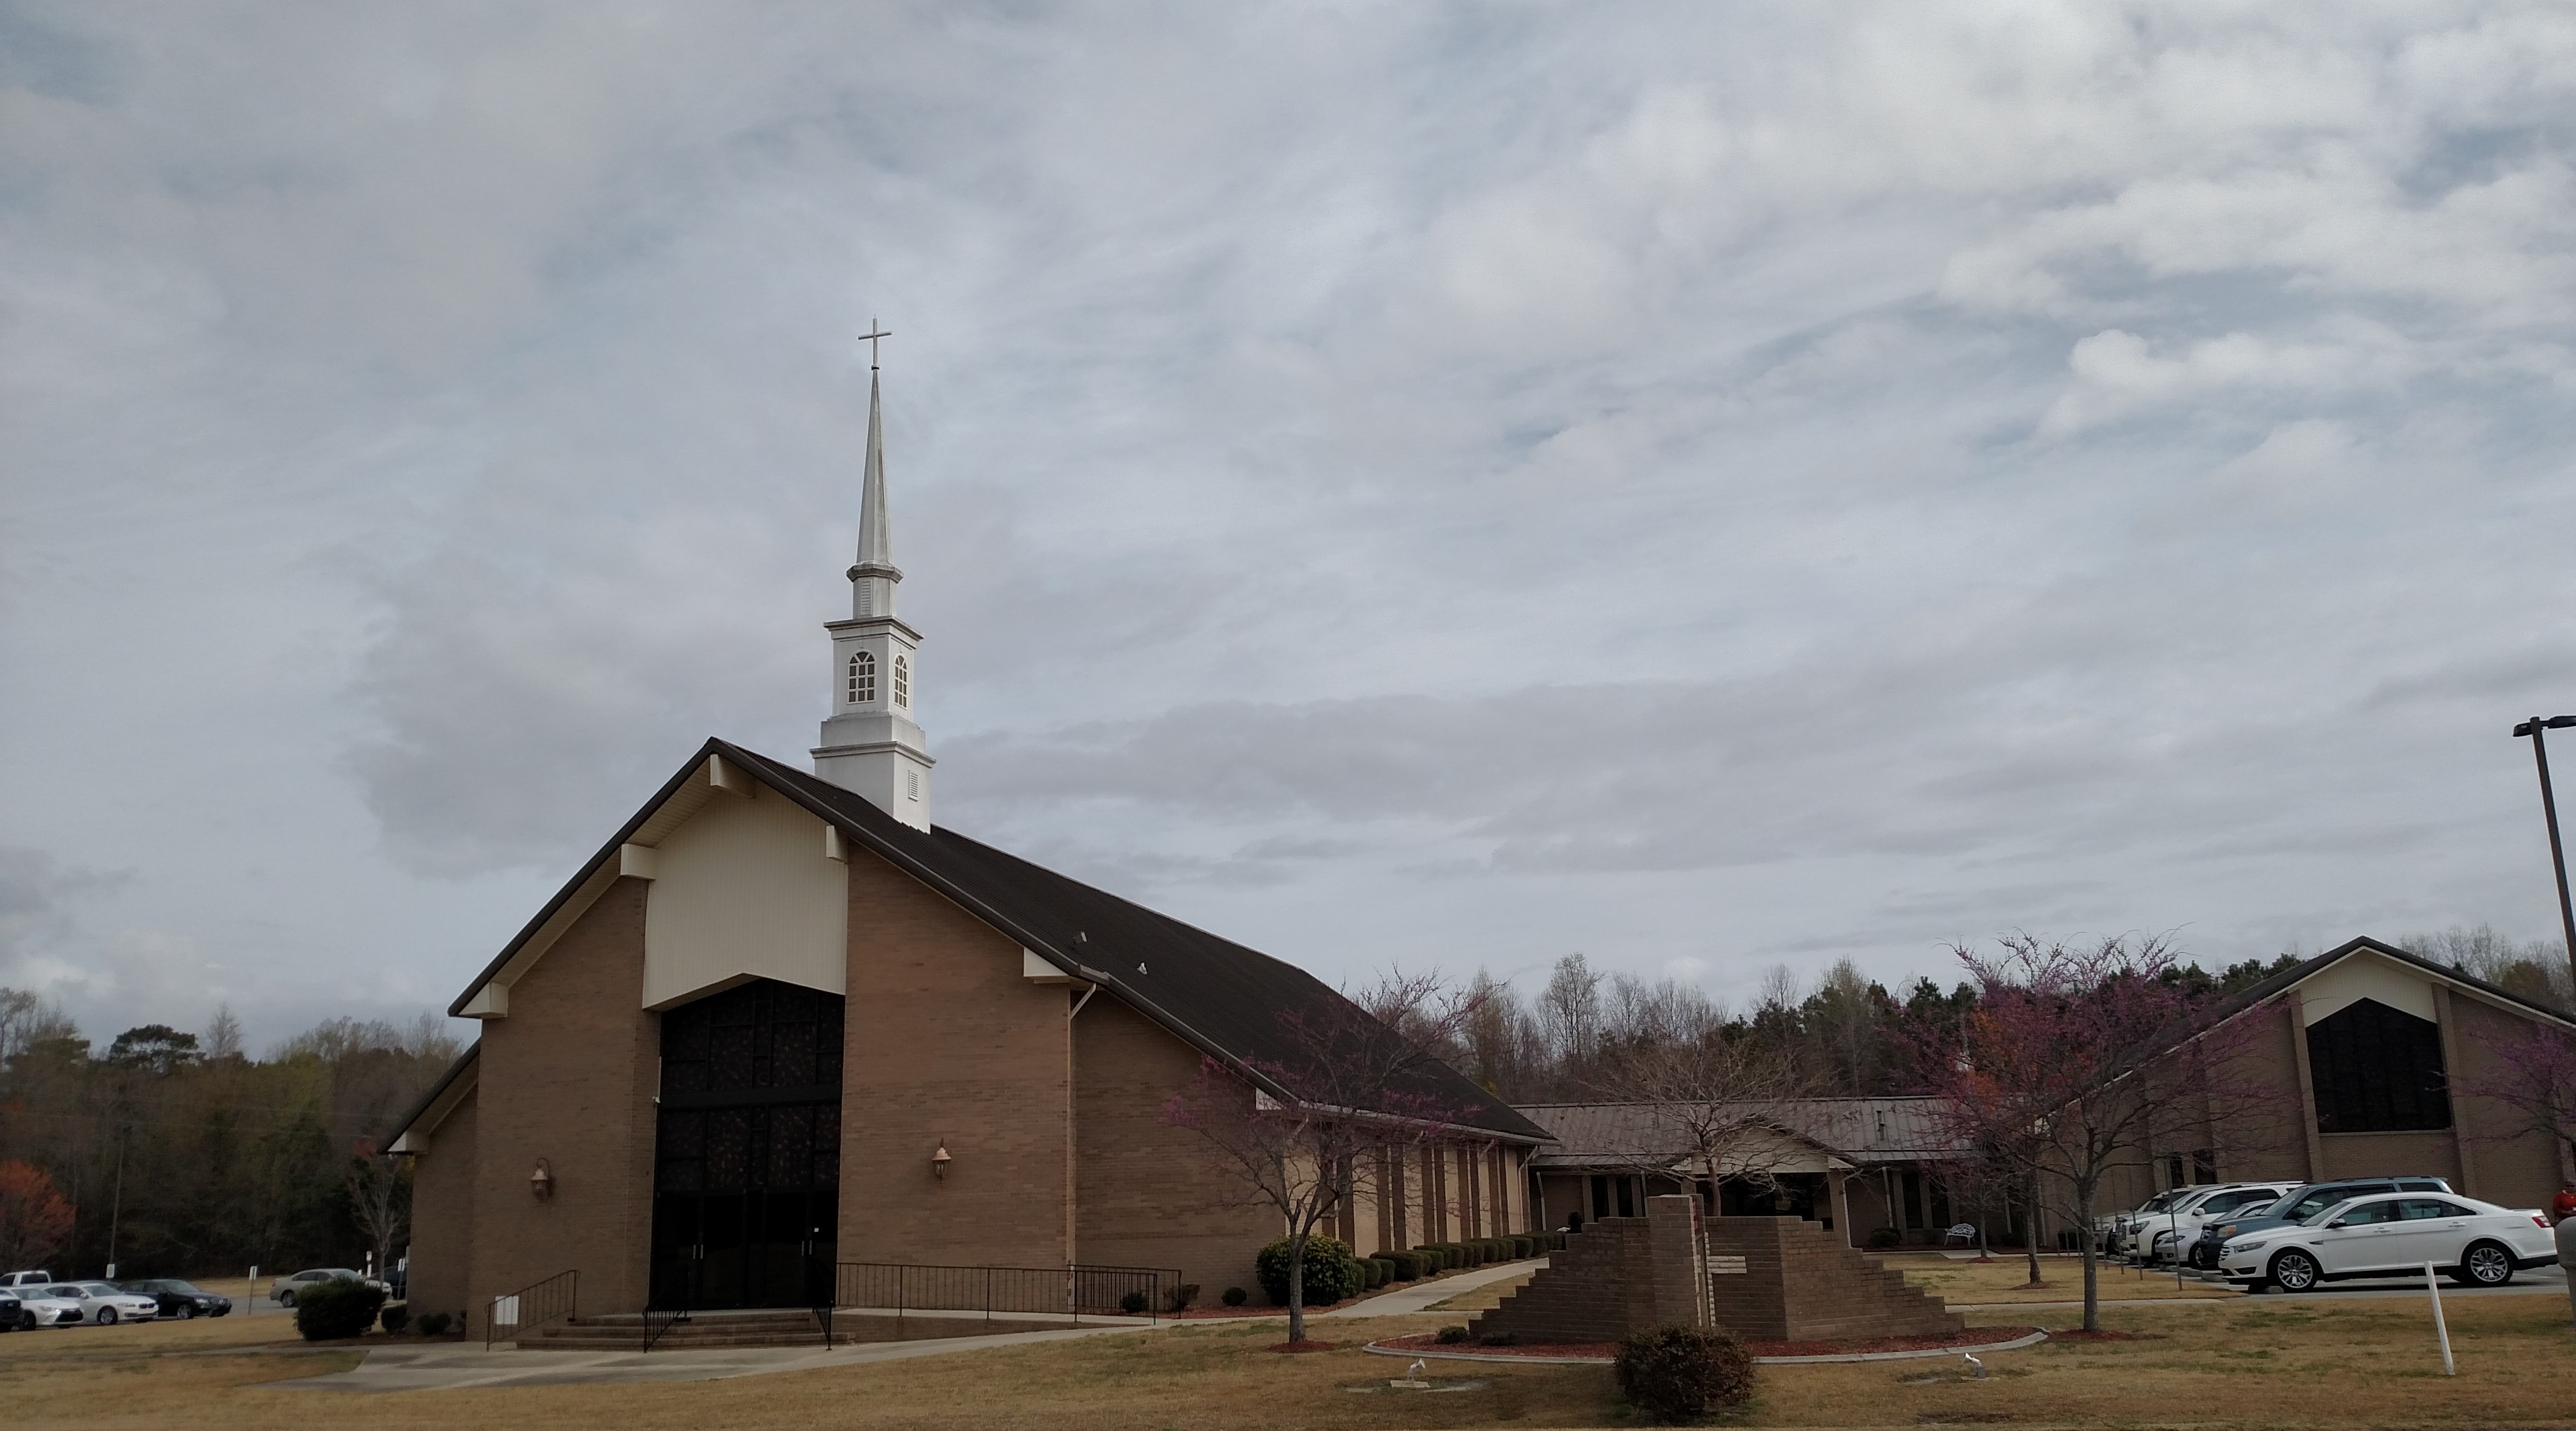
{"x":747,"y":1165}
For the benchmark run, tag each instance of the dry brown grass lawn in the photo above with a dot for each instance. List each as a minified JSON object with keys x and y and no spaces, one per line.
{"x":2001,"y":1280}
{"x":2285,"y":1362}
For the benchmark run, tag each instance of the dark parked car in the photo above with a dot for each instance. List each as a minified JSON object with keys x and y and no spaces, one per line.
{"x":2299,"y":1205}
{"x":180,"y":1299}
{"x":14,"y":1316}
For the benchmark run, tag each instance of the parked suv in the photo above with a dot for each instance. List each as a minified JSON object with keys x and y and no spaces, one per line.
{"x":10,"y":1282}
{"x":2172,"y":1235}
{"x":2299,"y":1205}
{"x":2152,"y":1237}
{"x":2117,"y":1234}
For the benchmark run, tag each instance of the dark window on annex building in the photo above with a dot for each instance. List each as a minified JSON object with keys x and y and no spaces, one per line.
{"x":2377,"y":1070}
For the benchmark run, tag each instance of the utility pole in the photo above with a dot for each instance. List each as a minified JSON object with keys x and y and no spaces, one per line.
{"x":2536,"y":728}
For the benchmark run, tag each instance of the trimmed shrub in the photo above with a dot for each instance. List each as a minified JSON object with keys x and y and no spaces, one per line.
{"x":1678,"y":1374}
{"x":395,"y":1315}
{"x":341,"y":1308}
{"x":1556,"y":1240}
{"x":1234,"y":1297}
{"x":1524,"y":1248}
{"x":1410,"y":1265}
{"x":1135,"y":1303}
{"x":1499,"y":1339}
{"x":436,"y":1324}
{"x":1332,"y":1273}
{"x":1451,"y":1336}
{"x":1179,"y":1298}
{"x":1380,"y":1272}
{"x":1883,"y":1238}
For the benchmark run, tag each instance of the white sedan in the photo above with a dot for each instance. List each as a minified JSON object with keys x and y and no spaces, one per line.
{"x":104,"y":1304}
{"x":2392,"y":1235}
{"x":49,"y":1311}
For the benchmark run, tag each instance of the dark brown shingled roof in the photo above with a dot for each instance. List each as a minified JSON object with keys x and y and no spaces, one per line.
{"x":1226,"y":1000}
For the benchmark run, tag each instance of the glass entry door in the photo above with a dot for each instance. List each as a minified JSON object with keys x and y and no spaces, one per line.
{"x":746,"y":1175}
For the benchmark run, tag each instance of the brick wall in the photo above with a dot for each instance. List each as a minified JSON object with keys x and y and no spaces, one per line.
{"x":1617,"y":1276}
{"x":946,"y":1043}
{"x":569,"y":1077}
{"x":1801,"y":1283}
{"x":1147,"y":1192}
{"x":442,"y":1215}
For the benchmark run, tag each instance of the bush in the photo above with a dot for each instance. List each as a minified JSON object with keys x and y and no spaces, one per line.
{"x":436,"y":1324}
{"x":395,"y":1315}
{"x":1499,"y":1339}
{"x":1375,"y":1272}
{"x":1451,"y":1336}
{"x":1883,"y":1238}
{"x":1180,"y":1297}
{"x":1524,"y":1248}
{"x":1403,"y":1266}
{"x":342,"y":1308}
{"x":1677,"y":1374}
{"x":1556,"y":1241}
{"x":1332,"y":1273}
{"x":1234,"y":1296}
{"x":1135,"y":1303}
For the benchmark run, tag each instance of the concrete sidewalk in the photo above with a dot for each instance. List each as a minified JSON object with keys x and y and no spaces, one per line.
{"x":1420,"y":1296}
{"x":458,"y":1366}
{"x":2537,"y":1281}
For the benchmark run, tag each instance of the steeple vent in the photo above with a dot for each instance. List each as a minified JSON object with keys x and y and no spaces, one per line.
{"x":870,"y":742}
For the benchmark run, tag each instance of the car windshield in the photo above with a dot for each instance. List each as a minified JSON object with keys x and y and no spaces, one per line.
{"x":103,"y":1289}
{"x":173,"y":1285}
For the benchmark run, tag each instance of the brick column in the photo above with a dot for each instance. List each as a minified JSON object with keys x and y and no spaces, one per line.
{"x":1680,"y":1261}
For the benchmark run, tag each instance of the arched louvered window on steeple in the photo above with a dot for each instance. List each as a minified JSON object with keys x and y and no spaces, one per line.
{"x":863,"y":678}
{"x":902,"y":682}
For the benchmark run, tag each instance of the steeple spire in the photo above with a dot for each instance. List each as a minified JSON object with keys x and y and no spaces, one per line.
{"x":876,"y":538}
{"x":870,"y":742}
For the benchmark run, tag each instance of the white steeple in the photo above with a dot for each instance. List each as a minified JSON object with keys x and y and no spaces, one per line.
{"x":870,"y":743}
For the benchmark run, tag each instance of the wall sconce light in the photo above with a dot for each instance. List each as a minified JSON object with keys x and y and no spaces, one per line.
{"x":542,"y":1181}
{"x":939,"y":1162}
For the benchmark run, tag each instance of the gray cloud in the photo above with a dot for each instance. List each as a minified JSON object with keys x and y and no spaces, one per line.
{"x":1698,"y":484}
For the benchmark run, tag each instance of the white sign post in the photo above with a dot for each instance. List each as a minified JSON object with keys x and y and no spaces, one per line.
{"x":2441,"y":1328}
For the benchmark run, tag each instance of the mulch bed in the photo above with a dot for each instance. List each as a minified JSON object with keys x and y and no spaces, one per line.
{"x":1604,"y":1351}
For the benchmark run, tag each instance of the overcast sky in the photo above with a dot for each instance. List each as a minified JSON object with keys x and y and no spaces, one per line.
{"x":1703,"y":485}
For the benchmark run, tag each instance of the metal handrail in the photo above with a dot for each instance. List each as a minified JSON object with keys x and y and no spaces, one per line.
{"x":531,"y":1307}
{"x":1074,"y":1291}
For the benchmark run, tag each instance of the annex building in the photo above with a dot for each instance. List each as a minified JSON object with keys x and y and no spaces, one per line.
{"x":782,"y":1019}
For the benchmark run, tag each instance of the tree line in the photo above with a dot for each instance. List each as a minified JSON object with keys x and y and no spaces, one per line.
{"x":171,"y":1153}
{"x":1590,"y":1035}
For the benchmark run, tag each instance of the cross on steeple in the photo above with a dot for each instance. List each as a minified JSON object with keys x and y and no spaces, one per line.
{"x":870,"y":338}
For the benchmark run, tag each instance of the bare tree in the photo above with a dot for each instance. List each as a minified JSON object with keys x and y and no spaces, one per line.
{"x":1717,"y":1101}
{"x":379,"y":1199}
{"x":1357,"y":1085}
{"x":2535,"y":1077}
{"x":2075,"y":1059}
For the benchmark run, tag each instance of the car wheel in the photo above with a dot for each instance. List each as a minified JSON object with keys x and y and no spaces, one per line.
{"x":2486,"y":1265}
{"x":286,"y":1299}
{"x":107,"y":1316}
{"x":186,"y":1312}
{"x":2295,"y":1271}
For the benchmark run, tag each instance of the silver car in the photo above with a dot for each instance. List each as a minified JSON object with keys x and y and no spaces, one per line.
{"x":104,"y":1303}
{"x":45,"y":1310}
{"x":283,"y":1290}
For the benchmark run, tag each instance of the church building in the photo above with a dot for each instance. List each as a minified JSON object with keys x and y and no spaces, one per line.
{"x":783,"y":1019}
